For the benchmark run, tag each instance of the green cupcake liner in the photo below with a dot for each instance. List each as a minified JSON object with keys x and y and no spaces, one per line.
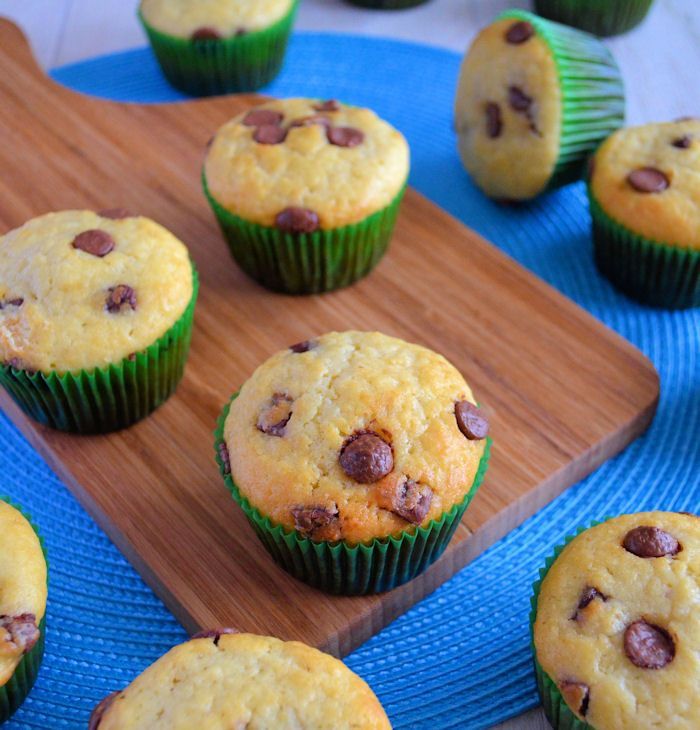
{"x":207,"y":67}
{"x":307,"y":263}
{"x":593,"y":95}
{"x":387,"y":4}
{"x":652,"y":272}
{"x":16,"y":690}
{"x":600,"y":17}
{"x":106,"y":399}
{"x":559,"y":714}
{"x":340,"y":568}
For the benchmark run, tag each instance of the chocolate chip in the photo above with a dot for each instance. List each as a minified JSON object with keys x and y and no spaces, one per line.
{"x":494,"y":122}
{"x":577,"y":696}
{"x":331,"y":105}
{"x":21,"y":631}
{"x":262,"y":117}
{"x":241,"y":31}
{"x":96,"y":242}
{"x":648,"y":180}
{"x":120,"y":296}
{"x":317,"y":522}
{"x":16,"y":302}
{"x":100,"y":709}
{"x":520,"y":32}
{"x":518,"y":99}
{"x":115,"y":213}
{"x":650,"y":542}
{"x":215,"y":634}
{"x":345,"y":136}
{"x":648,"y":646}
{"x":310,"y":121}
{"x":366,"y":457}
{"x":588,"y":595}
{"x":304,"y":346}
{"x":206,"y":34}
{"x":225,"y":458}
{"x":131,"y":357}
{"x":683,"y":143}
{"x":297,"y":220}
{"x":275,"y":415}
{"x":470,"y":420}
{"x":270,"y":134}
{"x":412,"y":501}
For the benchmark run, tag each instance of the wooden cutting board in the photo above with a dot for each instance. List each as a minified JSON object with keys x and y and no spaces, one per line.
{"x":563,"y":392}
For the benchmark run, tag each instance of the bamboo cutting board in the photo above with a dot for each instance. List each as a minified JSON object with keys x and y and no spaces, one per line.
{"x":563,"y":392}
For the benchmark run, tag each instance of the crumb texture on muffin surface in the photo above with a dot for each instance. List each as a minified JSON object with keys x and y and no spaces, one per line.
{"x":244,"y":680}
{"x":647,"y":179}
{"x":182,"y":18}
{"x":618,"y":626}
{"x":508,"y":111}
{"x":341,"y":162}
{"x":79,"y":290}
{"x":354,"y":437}
{"x":22,"y":588}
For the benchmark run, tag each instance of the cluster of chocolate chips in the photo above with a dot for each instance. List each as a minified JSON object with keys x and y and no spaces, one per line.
{"x":268,"y":128}
{"x":520,"y":102}
{"x":19,"y":634}
{"x":653,"y":180}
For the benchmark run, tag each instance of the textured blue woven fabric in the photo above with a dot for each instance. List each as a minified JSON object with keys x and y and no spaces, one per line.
{"x":460,"y":659}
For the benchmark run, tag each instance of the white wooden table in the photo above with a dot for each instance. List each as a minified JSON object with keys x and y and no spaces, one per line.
{"x":660,"y":60}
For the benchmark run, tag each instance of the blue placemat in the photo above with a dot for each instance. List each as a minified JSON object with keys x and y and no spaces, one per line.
{"x":459,"y":659}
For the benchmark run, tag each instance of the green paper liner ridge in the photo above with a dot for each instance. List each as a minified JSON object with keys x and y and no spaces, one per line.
{"x":600,"y":17}
{"x":361,"y":569}
{"x":107,"y":398}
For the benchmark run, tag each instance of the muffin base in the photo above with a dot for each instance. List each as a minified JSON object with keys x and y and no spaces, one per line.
{"x":344,"y":569}
{"x":307,"y":263}
{"x":227,"y":65}
{"x":648,"y":271}
{"x":110,"y":398}
{"x":600,"y":17}
{"x":593,"y":97}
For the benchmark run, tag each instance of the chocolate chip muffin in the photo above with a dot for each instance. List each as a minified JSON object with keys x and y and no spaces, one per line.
{"x":600,"y":17}
{"x":359,"y":440}
{"x":645,"y":204}
{"x":306,"y":191}
{"x":534,"y":98}
{"x":22,"y":608}
{"x":95,"y":317}
{"x":230,"y":680}
{"x":218,"y":46}
{"x":617,"y":630}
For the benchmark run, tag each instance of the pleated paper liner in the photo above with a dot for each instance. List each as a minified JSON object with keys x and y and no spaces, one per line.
{"x":651,"y":272}
{"x":593,"y":95}
{"x":600,"y":17}
{"x":340,"y":568}
{"x":387,"y":4}
{"x":559,"y":714}
{"x":244,"y":62}
{"x":16,"y":690}
{"x":307,"y":263}
{"x":106,"y":399}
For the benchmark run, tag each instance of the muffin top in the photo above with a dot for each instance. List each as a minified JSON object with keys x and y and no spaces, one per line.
{"x":304,"y":164}
{"x":212,"y":18}
{"x":83,"y":290}
{"x":22,"y":589}
{"x":508,"y":110}
{"x":648,"y":179}
{"x":618,"y":625}
{"x":226,"y":681}
{"x":354,"y":435}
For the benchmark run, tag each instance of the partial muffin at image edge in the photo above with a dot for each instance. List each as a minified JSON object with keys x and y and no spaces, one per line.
{"x":615,"y":624}
{"x":23,"y":591}
{"x":600,"y":17}
{"x":306,"y":191}
{"x":534,"y":99}
{"x":240,"y":680}
{"x":207,"y":47}
{"x":95,"y":331}
{"x":644,"y":199}
{"x":354,"y":456}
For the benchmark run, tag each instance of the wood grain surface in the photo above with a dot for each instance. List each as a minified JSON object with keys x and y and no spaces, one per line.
{"x":563,"y":392}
